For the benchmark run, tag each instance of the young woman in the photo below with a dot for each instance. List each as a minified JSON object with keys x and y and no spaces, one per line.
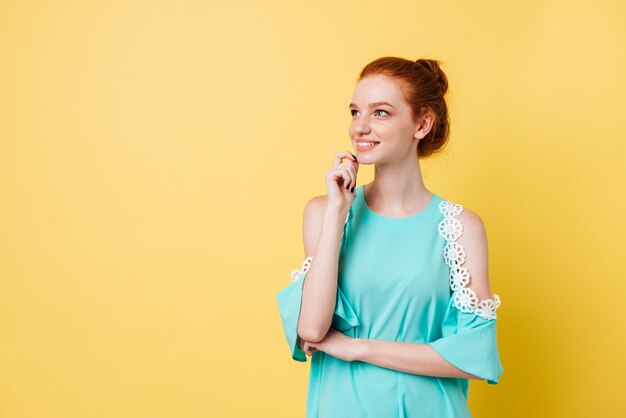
{"x":396,"y":310}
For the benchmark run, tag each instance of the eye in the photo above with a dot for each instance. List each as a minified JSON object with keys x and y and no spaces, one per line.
{"x":381,"y":110}
{"x":352,"y":111}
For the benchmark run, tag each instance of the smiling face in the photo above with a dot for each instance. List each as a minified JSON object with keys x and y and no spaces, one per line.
{"x":382,"y":118}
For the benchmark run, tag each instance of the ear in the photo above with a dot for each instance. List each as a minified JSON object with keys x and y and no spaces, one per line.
{"x":425,"y":122}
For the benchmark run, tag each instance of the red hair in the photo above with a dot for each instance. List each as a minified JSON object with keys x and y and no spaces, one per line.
{"x":423,"y":85}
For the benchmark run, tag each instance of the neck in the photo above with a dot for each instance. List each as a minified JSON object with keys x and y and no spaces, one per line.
{"x":397,"y":188}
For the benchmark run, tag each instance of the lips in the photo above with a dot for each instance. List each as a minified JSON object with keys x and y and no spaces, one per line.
{"x":365,"y":140}
{"x":364,"y":146}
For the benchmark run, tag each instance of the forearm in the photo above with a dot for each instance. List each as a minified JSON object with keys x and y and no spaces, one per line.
{"x":406,"y":357}
{"x":319,"y":291}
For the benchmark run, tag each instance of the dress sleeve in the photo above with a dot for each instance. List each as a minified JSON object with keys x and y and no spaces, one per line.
{"x":468,"y":328}
{"x":290,"y":301}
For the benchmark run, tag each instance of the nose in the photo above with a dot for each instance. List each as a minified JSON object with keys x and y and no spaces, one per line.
{"x":361,"y":126}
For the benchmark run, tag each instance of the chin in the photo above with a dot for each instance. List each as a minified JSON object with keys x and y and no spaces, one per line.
{"x":365,"y":158}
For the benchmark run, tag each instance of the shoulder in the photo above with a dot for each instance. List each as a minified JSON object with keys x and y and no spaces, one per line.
{"x":470,"y":220}
{"x":314,"y":211}
{"x":473,"y":240}
{"x":473,"y":224}
{"x":315,"y":205}
{"x":312,"y":220}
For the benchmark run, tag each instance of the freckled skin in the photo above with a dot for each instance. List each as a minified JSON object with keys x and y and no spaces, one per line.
{"x":391,"y":124}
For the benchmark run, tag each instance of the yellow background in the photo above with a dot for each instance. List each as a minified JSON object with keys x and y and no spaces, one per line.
{"x":155,"y":158}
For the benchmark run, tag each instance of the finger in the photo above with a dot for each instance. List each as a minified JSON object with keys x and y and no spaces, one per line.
{"x":339,"y":156}
{"x":338,"y":173}
{"x":350,"y":172}
{"x":347,"y":178}
{"x":307,"y":348}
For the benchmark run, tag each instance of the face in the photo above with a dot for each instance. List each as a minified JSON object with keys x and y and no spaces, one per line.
{"x":382,"y":118}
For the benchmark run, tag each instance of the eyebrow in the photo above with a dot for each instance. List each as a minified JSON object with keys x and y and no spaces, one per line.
{"x":372,"y":104}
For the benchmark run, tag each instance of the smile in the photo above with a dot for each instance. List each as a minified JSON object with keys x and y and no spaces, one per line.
{"x":364,"y":146}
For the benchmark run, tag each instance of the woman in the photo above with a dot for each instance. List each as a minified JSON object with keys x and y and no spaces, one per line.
{"x":396,"y":310}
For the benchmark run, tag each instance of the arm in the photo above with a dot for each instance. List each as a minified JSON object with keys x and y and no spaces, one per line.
{"x":322,"y":230}
{"x":406,"y":357}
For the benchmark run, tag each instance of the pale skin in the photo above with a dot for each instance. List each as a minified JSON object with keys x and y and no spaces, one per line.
{"x":397,"y":191}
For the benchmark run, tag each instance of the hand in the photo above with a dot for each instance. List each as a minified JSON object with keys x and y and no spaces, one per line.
{"x":340,"y":180}
{"x":335,"y":344}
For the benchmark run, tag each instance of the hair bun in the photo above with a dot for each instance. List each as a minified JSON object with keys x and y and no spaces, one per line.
{"x":433,"y":67}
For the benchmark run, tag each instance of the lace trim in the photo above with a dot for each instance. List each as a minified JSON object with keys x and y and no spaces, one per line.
{"x":465,"y":298}
{"x":306,"y":264}
{"x":296,"y":274}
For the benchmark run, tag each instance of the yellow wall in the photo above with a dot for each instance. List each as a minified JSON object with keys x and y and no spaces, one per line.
{"x":155,"y":158}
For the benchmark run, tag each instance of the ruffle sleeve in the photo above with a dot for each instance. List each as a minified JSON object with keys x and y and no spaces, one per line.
{"x":290,"y":301}
{"x":468,"y":327}
{"x":469,"y":342}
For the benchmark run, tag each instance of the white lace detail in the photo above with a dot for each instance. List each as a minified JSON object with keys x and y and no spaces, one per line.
{"x":296,"y":274}
{"x":306,"y":264}
{"x":465,"y":298}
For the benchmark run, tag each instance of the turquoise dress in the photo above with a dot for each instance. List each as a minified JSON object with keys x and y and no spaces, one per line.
{"x":400,"y":279}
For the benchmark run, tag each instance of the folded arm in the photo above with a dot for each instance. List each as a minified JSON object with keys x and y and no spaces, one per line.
{"x":406,"y":357}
